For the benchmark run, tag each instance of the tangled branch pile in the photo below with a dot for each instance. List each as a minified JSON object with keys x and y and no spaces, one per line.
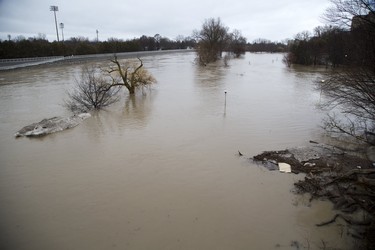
{"x":346,"y":180}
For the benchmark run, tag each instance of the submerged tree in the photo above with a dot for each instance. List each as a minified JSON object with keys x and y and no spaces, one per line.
{"x":211,"y":40}
{"x":237,"y":44}
{"x":352,"y":92}
{"x":130,"y":75}
{"x":92,"y":91}
{"x":98,"y":88}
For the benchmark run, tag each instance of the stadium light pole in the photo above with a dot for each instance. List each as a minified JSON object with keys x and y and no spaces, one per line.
{"x":62,"y":31}
{"x":54,"y":9}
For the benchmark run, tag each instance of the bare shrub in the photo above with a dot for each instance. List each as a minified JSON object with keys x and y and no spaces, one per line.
{"x":352,"y":92}
{"x":92,"y":91}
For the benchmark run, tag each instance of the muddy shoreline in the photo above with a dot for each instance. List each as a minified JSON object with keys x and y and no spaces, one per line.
{"x":334,"y":174}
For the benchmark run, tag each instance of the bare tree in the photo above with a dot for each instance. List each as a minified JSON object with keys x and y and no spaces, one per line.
{"x":342,"y":12}
{"x":212,"y":40}
{"x":130,"y":75}
{"x":303,"y":36}
{"x":98,"y":88}
{"x":92,"y":91}
{"x":352,"y":92}
{"x":237,"y":44}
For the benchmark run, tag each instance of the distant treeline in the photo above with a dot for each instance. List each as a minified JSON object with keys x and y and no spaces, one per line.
{"x":333,"y":46}
{"x":264,"y":45}
{"x":39,"y":46}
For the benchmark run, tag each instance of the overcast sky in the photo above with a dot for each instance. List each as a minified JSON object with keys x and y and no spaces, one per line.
{"x":125,"y":19}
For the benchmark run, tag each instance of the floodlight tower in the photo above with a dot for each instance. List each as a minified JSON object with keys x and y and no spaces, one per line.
{"x":54,"y":9}
{"x":62,"y":31}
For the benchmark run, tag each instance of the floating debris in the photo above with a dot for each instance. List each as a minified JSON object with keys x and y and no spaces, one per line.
{"x":284,"y":167}
{"x":51,"y":125}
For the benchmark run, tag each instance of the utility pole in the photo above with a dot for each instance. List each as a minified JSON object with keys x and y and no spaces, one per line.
{"x":54,"y":9}
{"x":62,"y":31}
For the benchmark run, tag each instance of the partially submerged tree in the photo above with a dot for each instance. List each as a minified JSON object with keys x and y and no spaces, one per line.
{"x":352,"y":92}
{"x":98,"y":88}
{"x":212,"y":40}
{"x":130,"y":75}
{"x":237,"y":44}
{"x":92,"y":91}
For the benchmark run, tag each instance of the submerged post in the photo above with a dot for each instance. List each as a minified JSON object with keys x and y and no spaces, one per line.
{"x":225,"y":102}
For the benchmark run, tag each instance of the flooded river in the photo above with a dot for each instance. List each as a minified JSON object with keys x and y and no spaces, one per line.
{"x":161,"y":170}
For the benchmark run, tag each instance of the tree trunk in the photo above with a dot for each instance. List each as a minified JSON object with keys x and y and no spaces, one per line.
{"x":131,"y":90}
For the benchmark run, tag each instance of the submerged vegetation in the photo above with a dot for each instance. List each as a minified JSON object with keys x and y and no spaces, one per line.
{"x":98,"y":88}
{"x":92,"y":91}
{"x":214,"y":38}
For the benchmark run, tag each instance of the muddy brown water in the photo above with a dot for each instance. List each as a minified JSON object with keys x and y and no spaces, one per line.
{"x":161,"y":170}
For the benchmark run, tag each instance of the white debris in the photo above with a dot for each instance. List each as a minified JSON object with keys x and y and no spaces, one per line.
{"x":51,"y":125}
{"x":284,"y":167}
{"x":309,"y":164}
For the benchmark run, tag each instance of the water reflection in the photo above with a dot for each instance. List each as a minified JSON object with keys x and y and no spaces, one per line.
{"x":137,"y":109}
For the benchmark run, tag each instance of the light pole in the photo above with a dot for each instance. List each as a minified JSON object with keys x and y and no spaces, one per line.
{"x":62,"y":31}
{"x":54,"y":9}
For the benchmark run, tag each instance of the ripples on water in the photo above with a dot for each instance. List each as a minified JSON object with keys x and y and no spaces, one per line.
{"x":160,"y":170}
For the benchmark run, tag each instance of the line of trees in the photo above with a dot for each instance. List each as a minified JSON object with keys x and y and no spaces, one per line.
{"x":264,"y":45}
{"x":328,"y":45}
{"x":348,"y":40}
{"x":39,"y":46}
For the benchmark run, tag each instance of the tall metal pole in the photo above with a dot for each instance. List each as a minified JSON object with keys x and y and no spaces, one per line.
{"x":54,"y":9}
{"x":62,"y":31}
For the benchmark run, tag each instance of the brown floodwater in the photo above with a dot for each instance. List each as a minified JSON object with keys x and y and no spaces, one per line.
{"x":161,"y":170}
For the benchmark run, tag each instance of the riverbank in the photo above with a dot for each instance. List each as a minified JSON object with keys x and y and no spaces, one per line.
{"x":347,"y":180}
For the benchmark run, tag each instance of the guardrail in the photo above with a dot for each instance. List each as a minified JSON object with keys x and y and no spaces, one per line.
{"x":30,"y":59}
{"x":7,"y":64}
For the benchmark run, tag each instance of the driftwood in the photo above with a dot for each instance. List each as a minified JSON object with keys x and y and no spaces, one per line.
{"x":347,"y":219}
{"x":355,"y":174}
